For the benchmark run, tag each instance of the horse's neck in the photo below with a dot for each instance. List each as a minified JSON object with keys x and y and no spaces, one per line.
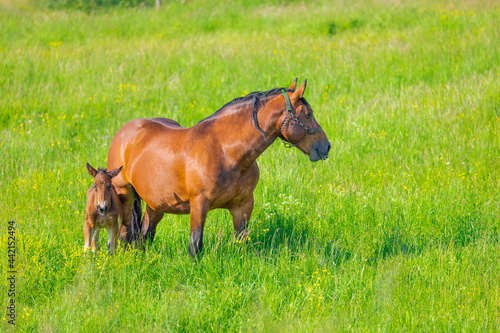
{"x":242,"y":142}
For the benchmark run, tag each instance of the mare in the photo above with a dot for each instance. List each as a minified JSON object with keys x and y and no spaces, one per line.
{"x":211,"y":165}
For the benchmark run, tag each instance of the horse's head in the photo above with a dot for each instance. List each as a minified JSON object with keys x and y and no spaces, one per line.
{"x":299,"y":128}
{"x":102,"y":186}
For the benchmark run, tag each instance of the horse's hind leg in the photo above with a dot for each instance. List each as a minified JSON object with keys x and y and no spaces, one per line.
{"x":131,"y":208}
{"x":126,"y":227}
{"x":149,"y":223}
{"x":135,"y":221}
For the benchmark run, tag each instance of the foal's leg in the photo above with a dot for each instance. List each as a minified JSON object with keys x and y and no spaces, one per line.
{"x":149,"y":223}
{"x":113,"y":231}
{"x":241,"y":215}
{"x":88,"y":233}
{"x":199,"y":210}
{"x":95,"y":240}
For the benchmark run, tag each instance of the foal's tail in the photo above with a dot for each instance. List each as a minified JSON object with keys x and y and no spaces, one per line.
{"x":136,"y":222}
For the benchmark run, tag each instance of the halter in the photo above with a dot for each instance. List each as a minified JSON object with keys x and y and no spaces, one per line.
{"x":289,"y":116}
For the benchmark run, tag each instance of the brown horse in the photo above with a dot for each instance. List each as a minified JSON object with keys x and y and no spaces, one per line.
{"x":211,"y":165}
{"x":104,"y":210}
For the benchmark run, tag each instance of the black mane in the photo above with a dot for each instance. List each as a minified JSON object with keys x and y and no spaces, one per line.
{"x":255,"y":96}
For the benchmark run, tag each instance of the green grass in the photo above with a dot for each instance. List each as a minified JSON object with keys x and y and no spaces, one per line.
{"x":397,"y":231}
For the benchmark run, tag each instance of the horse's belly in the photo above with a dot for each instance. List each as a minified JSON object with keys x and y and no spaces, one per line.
{"x":173,"y":207}
{"x":163,"y":198}
{"x":159,"y":180}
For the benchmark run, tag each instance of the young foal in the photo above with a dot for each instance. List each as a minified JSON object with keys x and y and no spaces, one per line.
{"x":104,"y":210}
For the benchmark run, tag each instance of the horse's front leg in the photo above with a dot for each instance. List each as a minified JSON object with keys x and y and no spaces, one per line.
{"x":199,"y":210}
{"x":241,"y":213}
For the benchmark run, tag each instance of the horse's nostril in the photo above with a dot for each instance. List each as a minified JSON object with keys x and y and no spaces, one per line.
{"x":328,"y":149}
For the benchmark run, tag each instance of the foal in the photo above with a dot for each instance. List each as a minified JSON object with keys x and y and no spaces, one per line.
{"x":104,"y":210}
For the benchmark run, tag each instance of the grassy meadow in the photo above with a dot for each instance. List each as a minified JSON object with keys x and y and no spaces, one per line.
{"x":397,"y":231}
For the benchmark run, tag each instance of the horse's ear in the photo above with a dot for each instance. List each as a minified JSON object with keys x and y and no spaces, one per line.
{"x":114,"y":172}
{"x":299,"y":92}
{"x":294,"y":85}
{"x":91,"y":170}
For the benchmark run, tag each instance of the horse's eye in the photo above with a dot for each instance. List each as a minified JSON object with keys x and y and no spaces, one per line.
{"x":95,"y":188}
{"x":309,"y":115}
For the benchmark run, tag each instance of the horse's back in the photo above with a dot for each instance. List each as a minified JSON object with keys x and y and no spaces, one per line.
{"x":135,"y":135}
{"x":167,"y":122}
{"x":134,"y":128}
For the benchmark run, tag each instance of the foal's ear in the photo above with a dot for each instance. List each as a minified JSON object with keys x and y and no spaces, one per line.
{"x":294,"y":85}
{"x":91,"y":170}
{"x":299,"y":92}
{"x":114,"y":172}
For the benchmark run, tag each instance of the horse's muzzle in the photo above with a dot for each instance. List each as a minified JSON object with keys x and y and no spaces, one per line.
{"x":319,"y":151}
{"x":102,"y":209}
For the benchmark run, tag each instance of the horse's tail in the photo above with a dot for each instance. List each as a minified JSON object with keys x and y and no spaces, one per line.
{"x":136,"y":221}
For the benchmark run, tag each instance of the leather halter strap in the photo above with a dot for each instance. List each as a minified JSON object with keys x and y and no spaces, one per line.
{"x":291,"y":116}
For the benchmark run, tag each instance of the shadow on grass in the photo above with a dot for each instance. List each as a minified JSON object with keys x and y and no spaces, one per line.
{"x":291,"y":235}
{"x":282,"y":234}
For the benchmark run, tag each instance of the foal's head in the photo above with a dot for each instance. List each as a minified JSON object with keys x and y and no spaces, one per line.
{"x":102,"y":186}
